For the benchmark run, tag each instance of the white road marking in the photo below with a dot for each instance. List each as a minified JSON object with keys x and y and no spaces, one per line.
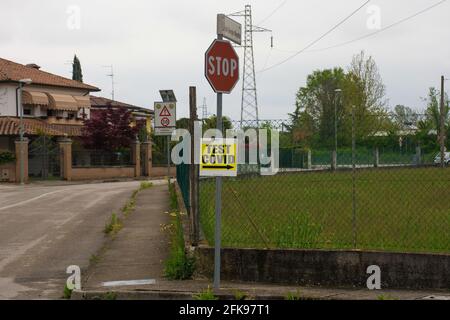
{"x":30,"y":200}
{"x":128,"y":283}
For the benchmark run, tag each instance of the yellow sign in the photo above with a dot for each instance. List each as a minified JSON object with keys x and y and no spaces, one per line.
{"x":218,"y":158}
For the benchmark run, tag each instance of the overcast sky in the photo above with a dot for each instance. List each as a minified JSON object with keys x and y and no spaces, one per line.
{"x":160,"y":45}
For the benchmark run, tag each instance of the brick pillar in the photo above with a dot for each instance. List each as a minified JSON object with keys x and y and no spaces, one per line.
{"x":147,"y":147}
{"x":136,"y":157}
{"x":22,"y":160}
{"x":65,"y":158}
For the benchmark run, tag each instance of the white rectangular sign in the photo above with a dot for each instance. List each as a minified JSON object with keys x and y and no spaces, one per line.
{"x":229,"y":28}
{"x":165,"y":118}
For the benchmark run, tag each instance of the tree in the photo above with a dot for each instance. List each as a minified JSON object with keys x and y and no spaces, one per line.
{"x":109,"y":129}
{"x":405,"y":117}
{"x":315,"y":107}
{"x":211,"y":123}
{"x":77,"y":73}
{"x":433,"y":112}
{"x":320,"y":106}
{"x":372,"y":92}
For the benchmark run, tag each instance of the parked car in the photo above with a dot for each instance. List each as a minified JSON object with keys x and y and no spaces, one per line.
{"x":437,"y":159}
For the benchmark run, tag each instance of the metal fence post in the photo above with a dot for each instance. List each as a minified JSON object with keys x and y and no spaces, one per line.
{"x":354,"y":178}
{"x":193,"y":171}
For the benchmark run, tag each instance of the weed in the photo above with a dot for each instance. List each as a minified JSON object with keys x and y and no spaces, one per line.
{"x":67,"y":294}
{"x":114,"y":225}
{"x":239,"y":295}
{"x":383,"y":297}
{"x":179,"y":266}
{"x":111,"y":296}
{"x":295,"y":296}
{"x":94,"y":259}
{"x":205,"y":295}
{"x":173,"y":197}
{"x":145,"y":185}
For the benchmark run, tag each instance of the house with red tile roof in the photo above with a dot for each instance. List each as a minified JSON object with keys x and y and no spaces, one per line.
{"x":51,"y":104}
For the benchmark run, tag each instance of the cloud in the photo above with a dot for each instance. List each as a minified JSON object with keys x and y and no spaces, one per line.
{"x":160,"y":44}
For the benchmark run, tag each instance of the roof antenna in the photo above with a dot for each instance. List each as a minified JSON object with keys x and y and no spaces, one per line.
{"x":112,"y":79}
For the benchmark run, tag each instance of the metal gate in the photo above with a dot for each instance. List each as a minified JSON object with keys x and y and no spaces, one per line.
{"x":43,"y":158}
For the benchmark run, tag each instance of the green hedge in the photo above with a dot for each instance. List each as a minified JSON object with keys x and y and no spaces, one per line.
{"x":7,"y":157}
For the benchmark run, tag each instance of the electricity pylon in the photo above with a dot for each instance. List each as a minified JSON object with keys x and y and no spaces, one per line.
{"x":249,"y":103}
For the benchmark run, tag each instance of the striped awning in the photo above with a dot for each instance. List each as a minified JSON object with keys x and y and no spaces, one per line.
{"x":62,"y":102}
{"x":83,"y":101}
{"x":11,"y":127}
{"x":34,"y":97}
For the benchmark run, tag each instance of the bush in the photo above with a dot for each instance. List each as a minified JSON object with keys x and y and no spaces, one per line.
{"x":7,"y":157}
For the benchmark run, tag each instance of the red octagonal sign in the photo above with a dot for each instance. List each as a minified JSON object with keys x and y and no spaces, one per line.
{"x":222,"y":66}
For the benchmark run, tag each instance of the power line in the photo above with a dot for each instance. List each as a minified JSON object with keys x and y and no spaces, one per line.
{"x":369,"y":34}
{"x":317,"y":40}
{"x":381,"y":30}
{"x":272,"y":13}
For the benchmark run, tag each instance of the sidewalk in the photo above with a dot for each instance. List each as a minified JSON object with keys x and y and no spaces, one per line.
{"x":138,"y":252}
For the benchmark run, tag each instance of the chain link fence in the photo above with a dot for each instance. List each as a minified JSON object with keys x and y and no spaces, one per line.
{"x":383,"y":189}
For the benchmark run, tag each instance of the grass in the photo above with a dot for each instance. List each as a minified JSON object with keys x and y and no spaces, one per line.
{"x":67,"y":294}
{"x":383,"y":297}
{"x":406,"y":209}
{"x":205,"y":295}
{"x":294,"y":296}
{"x":114,"y":225}
{"x":131,"y":203}
{"x":179,"y":266}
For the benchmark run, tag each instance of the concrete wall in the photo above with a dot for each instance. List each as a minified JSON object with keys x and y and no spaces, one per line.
{"x":102,"y":173}
{"x":328,"y":268}
{"x":8,"y":100}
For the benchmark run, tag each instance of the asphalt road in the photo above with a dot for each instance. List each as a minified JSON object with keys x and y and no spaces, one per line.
{"x":44,"y":229}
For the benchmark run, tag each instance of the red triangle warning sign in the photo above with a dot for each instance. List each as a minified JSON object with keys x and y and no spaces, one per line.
{"x":165,"y":112}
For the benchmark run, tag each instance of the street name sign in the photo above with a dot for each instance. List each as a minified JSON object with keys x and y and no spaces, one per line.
{"x":229,"y":29}
{"x":218,"y":158}
{"x":165,"y":118}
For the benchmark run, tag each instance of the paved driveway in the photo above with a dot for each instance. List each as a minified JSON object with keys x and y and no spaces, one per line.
{"x":44,"y":229}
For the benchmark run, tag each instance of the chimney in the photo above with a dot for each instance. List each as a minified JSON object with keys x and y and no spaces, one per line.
{"x":33,"y":65}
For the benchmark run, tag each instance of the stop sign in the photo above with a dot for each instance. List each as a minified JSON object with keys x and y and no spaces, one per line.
{"x":222,"y":66}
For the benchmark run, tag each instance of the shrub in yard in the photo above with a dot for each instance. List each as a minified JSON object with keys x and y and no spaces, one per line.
{"x":6,"y":157}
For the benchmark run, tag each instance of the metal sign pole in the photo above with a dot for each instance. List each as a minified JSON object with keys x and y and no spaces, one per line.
{"x":168,"y":157}
{"x":217,"y":245}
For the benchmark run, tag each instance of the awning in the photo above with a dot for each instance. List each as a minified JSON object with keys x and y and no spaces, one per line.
{"x":83,"y":101}
{"x":62,"y":102}
{"x":34,"y":97}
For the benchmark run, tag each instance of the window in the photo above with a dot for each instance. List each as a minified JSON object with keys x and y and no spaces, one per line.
{"x":27,"y":111}
{"x":50,"y":113}
{"x":71,"y":115}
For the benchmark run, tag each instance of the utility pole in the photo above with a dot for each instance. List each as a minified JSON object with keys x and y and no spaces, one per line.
{"x":111,"y":74}
{"x":249,"y":102}
{"x":442,"y":122}
{"x":204,"y":110}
